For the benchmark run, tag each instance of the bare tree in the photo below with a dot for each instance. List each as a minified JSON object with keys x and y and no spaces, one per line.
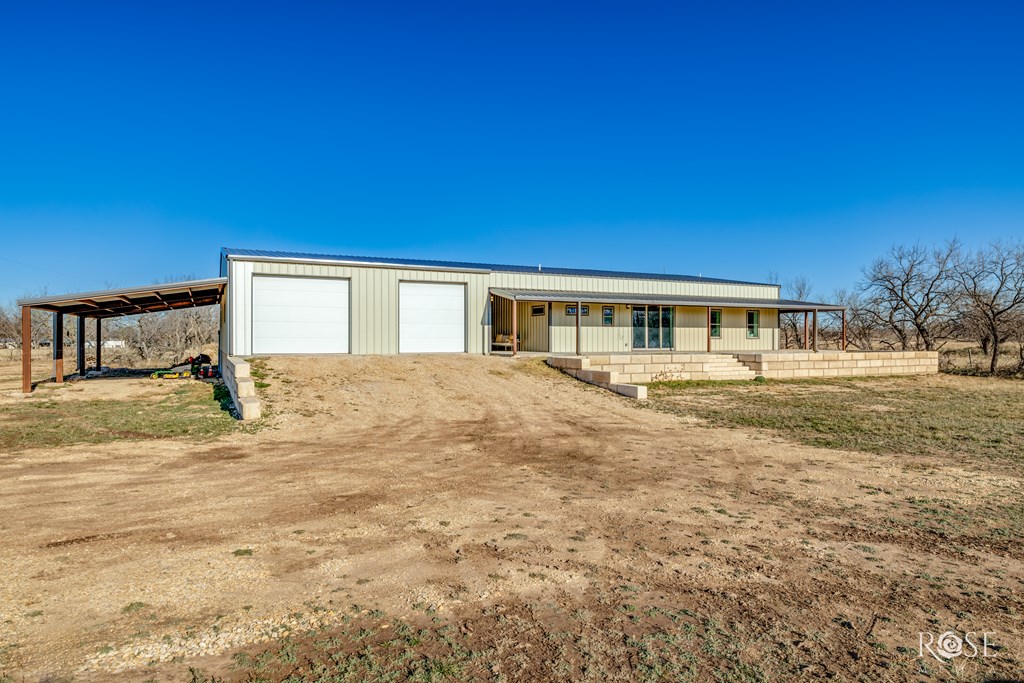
{"x":791,"y":324}
{"x":991,"y":284}
{"x":864,"y":326}
{"x":909,"y":287}
{"x":10,"y":325}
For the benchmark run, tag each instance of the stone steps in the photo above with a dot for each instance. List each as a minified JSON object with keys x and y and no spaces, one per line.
{"x":652,"y":368}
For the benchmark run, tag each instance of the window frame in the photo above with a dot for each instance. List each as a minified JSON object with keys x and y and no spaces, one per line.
{"x":534,"y":310}
{"x":756,"y":326}
{"x":712,"y":324}
{"x":607,"y":316}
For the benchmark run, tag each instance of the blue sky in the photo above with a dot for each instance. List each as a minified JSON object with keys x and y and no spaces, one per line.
{"x":728,"y":139}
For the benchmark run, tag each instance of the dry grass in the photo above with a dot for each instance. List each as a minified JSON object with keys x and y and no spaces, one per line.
{"x":192,"y":409}
{"x":967,"y":417}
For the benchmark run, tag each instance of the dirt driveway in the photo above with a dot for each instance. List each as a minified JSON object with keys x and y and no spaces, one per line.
{"x":463,"y":482}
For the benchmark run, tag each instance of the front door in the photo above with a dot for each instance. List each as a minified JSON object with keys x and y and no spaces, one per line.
{"x":652,"y":327}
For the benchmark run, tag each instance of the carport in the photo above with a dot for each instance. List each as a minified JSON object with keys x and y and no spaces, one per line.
{"x":100,"y":305}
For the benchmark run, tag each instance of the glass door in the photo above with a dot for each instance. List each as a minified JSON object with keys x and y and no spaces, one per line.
{"x":639,"y":327}
{"x":666,"y":326}
{"x":652,"y":327}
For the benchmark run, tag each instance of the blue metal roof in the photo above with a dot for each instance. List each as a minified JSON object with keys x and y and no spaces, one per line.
{"x":462,"y":265}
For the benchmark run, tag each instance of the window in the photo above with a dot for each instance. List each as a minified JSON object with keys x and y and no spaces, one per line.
{"x":716,"y":323}
{"x":571,"y":310}
{"x":608,"y":315}
{"x":753,"y":324}
{"x":537,"y":309}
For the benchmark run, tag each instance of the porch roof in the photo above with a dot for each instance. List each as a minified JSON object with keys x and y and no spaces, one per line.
{"x":661,"y":300}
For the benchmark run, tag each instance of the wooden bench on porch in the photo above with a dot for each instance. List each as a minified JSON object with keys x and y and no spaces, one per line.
{"x":502,"y":341}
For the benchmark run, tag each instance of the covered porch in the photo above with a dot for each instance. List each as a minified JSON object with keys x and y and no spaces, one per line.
{"x":101,"y":305}
{"x":580,"y":322}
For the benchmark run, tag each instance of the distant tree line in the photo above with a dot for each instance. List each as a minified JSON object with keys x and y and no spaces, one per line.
{"x":918,"y":297}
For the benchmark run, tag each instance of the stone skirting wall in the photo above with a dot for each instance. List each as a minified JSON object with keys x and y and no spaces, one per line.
{"x":654,"y":367}
{"x":579,"y":367}
{"x":797,"y":364}
{"x":235,"y":373}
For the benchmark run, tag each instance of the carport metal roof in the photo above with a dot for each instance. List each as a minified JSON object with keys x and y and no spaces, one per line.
{"x":133,"y":300}
{"x":661,"y":300}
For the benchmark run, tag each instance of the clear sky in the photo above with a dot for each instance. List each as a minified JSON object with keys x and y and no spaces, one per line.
{"x":731,"y":139}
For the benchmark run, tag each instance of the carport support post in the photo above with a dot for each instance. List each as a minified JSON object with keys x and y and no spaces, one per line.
{"x":80,"y":347}
{"x":709,"y":329}
{"x":579,"y":326}
{"x":844,"y":330}
{"x":815,"y":345}
{"x":99,"y":343}
{"x":26,"y":349}
{"x":807,"y":339}
{"x":515,"y":327}
{"x":58,"y":348}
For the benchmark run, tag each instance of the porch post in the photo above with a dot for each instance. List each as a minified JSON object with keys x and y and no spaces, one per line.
{"x":709,"y":329}
{"x":515,"y":327}
{"x":844,"y":329}
{"x":815,"y":343}
{"x":26,"y":350}
{"x":58,"y":348}
{"x":807,"y":339}
{"x":80,"y":347}
{"x":99,"y":343}
{"x":579,"y":326}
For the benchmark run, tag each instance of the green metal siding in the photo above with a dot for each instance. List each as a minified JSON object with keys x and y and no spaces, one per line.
{"x":374,"y":305}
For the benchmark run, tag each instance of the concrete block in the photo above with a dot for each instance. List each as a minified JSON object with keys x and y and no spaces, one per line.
{"x":629,"y":390}
{"x":245,"y":387}
{"x":569,"y":362}
{"x":248,"y":408}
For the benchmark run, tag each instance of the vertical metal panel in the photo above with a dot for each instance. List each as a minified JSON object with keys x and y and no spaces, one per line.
{"x":533,"y":329}
{"x":624,"y":285}
{"x":691,"y":328}
{"x":734,"y":331}
{"x":595,"y":337}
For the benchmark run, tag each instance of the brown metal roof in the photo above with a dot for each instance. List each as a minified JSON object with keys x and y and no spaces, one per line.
{"x":133,"y":300}
{"x":661,"y":300}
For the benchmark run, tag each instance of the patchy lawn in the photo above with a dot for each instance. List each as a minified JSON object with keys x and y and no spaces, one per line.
{"x":189,"y":409}
{"x":618,"y":637}
{"x":957,"y":416}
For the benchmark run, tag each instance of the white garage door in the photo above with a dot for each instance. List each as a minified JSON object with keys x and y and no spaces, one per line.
{"x":299,"y":315}
{"x":431,"y":317}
